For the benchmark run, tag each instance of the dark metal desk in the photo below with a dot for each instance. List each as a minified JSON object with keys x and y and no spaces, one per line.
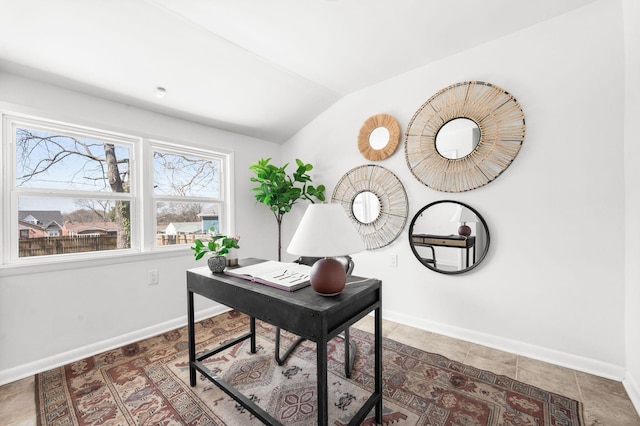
{"x":302,"y":312}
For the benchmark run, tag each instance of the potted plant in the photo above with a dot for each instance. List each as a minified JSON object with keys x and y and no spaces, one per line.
{"x":280,"y":192}
{"x":217,"y":246}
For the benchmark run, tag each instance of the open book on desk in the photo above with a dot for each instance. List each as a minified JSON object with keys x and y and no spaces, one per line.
{"x":282,"y":275}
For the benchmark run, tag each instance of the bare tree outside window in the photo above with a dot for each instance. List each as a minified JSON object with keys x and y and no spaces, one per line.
{"x":187,"y":192}
{"x":62,"y":162}
{"x":185,"y":175}
{"x":46,"y":160}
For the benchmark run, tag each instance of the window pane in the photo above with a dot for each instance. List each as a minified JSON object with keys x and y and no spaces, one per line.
{"x":49,"y":226}
{"x":181,"y":223}
{"x":185,"y":175}
{"x":51,"y":161}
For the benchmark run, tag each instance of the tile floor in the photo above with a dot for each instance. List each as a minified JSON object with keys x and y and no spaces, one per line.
{"x":605,"y":401}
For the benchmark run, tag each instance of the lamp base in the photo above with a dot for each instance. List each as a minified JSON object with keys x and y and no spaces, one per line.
{"x":328,"y":277}
{"x":464,"y":230}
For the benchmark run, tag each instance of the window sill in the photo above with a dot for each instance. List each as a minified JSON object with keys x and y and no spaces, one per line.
{"x":59,"y":264}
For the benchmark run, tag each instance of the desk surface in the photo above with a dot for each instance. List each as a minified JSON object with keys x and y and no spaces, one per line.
{"x":275,"y":306}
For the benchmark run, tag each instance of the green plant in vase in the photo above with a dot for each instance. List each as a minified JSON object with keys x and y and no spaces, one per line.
{"x":218,"y":246}
{"x":279,"y":191}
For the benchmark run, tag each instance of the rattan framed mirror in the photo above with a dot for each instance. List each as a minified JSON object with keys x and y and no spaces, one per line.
{"x":379,"y":137}
{"x":376,"y":201}
{"x":489,"y":146}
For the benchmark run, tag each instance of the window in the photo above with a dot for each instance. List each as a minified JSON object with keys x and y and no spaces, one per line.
{"x":72,"y":191}
{"x":187,"y":194}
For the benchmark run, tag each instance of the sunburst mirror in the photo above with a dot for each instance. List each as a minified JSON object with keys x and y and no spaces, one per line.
{"x":379,"y":137}
{"x":464,"y":136}
{"x":376,"y":202}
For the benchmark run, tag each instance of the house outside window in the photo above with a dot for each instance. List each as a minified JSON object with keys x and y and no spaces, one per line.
{"x":210,"y":219}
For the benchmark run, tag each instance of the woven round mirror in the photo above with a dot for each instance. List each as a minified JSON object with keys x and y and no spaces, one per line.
{"x":379,"y":137}
{"x":464,"y":136}
{"x":376,"y":202}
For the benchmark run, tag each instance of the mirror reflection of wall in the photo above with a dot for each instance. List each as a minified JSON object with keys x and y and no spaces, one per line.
{"x":379,"y":138}
{"x":458,"y":138}
{"x":366,"y":207}
{"x":439,"y":240}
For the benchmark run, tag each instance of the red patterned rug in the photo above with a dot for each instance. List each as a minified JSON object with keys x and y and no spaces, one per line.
{"x":147,"y":383}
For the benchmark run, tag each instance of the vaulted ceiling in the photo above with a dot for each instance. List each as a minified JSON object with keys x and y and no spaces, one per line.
{"x":262,"y":68}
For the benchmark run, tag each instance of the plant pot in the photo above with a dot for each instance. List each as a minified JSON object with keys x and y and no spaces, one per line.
{"x":217,"y":264}
{"x":232,"y":257}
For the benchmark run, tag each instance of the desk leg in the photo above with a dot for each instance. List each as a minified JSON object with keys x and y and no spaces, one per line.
{"x":192,"y":338}
{"x":378,"y":363}
{"x":347,"y":355}
{"x":323,"y":402}
{"x":252,"y":328}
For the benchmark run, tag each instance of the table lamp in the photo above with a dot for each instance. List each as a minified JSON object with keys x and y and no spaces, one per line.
{"x":463,"y":215}
{"x":326,"y":231}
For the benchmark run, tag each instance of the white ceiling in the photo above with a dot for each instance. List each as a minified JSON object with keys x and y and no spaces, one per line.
{"x":262,"y":68}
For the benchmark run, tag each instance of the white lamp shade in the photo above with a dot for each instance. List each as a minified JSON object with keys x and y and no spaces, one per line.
{"x":325,"y":231}
{"x":464,"y":215}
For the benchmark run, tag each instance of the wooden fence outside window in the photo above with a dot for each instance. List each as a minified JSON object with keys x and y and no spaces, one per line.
{"x":45,"y":246}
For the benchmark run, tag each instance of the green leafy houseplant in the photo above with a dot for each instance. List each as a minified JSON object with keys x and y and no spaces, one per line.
{"x":217,"y":245}
{"x":280,"y":192}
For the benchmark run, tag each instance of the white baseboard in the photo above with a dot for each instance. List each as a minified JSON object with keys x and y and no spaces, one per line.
{"x":26,"y":370}
{"x":633,"y":390}
{"x":575,"y":362}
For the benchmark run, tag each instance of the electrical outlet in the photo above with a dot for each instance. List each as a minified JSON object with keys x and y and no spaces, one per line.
{"x":153,"y":277}
{"x":393,"y":260}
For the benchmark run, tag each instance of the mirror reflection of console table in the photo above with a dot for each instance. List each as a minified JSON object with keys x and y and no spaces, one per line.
{"x":455,"y":241}
{"x":452,"y":224}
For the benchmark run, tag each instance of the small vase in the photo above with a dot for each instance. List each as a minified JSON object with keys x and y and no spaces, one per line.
{"x":217,"y":264}
{"x":232,"y":257}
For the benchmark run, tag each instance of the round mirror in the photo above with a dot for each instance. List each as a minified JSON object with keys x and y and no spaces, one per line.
{"x":379,"y":138}
{"x":449,"y":237}
{"x":451,"y":166}
{"x":366,"y":207}
{"x":457,"y":138}
{"x":375,"y":201}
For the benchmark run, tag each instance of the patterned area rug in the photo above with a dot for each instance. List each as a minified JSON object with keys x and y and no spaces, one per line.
{"x":147,"y":383}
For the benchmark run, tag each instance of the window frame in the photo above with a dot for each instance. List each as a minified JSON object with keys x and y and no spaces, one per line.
{"x":225,"y":160}
{"x":140,"y":196}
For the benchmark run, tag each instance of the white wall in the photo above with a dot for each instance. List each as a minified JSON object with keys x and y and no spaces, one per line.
{"x":552,"y":285}
{"x":71,"y":310}
{"x":632,"y":178}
